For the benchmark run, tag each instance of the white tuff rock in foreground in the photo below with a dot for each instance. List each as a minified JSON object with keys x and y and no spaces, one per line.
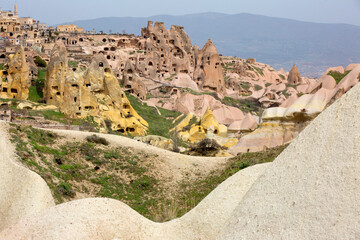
{"x":311,"y":191}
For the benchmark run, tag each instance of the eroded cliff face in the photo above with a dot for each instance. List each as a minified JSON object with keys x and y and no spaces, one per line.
{"x":208,"y":74}
{"x":15,"y":77}
{"x":132,"y":82}
{"x":166,"y":53}
{"x":94,"y":92}
{"x":56,"y":75}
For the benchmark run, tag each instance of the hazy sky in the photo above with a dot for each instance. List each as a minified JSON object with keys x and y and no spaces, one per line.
{"x":59,"y":11}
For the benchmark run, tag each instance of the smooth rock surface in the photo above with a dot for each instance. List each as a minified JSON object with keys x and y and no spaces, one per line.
{"x":312,"y":190}
{"x":23,"y":192}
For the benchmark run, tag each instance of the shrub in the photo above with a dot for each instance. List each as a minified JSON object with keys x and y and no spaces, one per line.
{"x":40,"y":62}
{"x":245,"y":85}
{"x":73,"y":64}
{"x":337,"y":75}
{"x":207,"y":147}
{"x":96,"y":139}
{"x":257,"y":87}
{"x":175,"y":138}
{"x":65,"y":189}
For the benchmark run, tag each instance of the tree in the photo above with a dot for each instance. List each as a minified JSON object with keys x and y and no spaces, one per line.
{"x":40,"y":62}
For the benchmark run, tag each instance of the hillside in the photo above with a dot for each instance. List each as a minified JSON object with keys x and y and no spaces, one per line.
{"x":276,"y":41}
{"x":158,"y":184}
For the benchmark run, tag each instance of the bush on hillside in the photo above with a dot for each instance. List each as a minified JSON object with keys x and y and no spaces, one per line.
{"x":96,"y":139}
{"x":40,"y":62}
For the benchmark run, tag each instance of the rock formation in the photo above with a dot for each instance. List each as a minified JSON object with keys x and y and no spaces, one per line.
{"x":167,"y":51}
{"x":94,"y":92}
{"x":246,"y":125}
{"x":194,"y":129}
{"x":56,"y":74}
{"x":195,"y":132}
{"x":208,"y":73}
{"x":132,"y":83}
{"x":167,"y":54}
{"x":198,"y":104}
{"x":15,"y":79}
{"x":294,"y":76}
{"x":23,"y":192}
{"x":282,"y":124}
{"x":157,"y":141}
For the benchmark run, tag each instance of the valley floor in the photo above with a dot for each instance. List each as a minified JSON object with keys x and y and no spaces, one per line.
{"x":159,"y":184}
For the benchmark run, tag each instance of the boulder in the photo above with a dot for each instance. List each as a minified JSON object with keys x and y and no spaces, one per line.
{"x":183,"y":80}
{"x":351,"y":66}
{"x":247,"y":124}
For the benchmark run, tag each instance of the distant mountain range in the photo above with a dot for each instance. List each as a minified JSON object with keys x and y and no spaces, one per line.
{"x":275,"y":41}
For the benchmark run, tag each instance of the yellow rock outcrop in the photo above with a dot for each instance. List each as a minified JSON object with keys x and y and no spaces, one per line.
{"x":196,"y":132}
{"x":15,"y":81}
{"x":94,"y":92}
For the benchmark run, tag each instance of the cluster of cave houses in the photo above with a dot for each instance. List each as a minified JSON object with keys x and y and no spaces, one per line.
{"x":109,"y":65}
{"x":92,"y":87}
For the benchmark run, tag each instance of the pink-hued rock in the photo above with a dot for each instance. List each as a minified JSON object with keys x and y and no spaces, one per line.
{"x":258,"y":94}
{"x":339,"y":69}
{"x":198,"y":104}
{"x":270,"y":76}
{"x":282,"y":71}
{"x":302,"y":88}
{"x":309,"y":105}
{"x":271,"y":98}
{"x":350,"y":80}
{"x":247,"y":124}
{"x":291,"y":91}
{"x":277,"y":87}
{"x":327,"y":82}
{"x":294,"y":76}
{"x":262,"y":138}
{"x":282,"y":124}
{"x":313,"y":86}
{"x":351,"y":66}
{"x":183,"y":80}
{"x":208,"y":73}
{"x":226,"y":115}
{"x":289,"y":101}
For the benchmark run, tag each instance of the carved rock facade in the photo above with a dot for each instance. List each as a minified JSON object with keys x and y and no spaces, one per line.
{"x":94,"y":92}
